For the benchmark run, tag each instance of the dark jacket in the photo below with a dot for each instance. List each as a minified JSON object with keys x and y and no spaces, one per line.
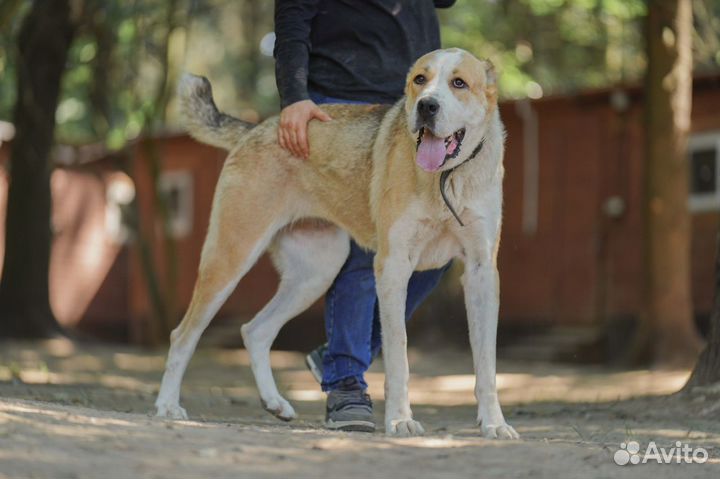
{"x":351,"y":49}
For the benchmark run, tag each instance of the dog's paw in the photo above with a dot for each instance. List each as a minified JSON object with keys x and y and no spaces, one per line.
{"x":501,"y":431}
{"x":280,"y":408}
{"x":171,"y":411}
{"x":404,"y":428}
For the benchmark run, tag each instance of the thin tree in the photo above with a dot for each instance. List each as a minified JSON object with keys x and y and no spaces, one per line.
{"x":707,"y":369}
{"x":667,"y":332}
{"x":43,"y":44}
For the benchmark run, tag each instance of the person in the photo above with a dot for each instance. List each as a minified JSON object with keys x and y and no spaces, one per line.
{"x":349,"y":51}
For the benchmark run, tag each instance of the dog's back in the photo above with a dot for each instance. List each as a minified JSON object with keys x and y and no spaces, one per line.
{"x":335,"y":179}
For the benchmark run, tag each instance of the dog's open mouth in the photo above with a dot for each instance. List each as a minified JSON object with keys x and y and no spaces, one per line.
{"x":433,"y":152}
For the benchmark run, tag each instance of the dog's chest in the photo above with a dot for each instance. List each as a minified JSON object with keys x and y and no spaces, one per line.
{"x":435,"y":245}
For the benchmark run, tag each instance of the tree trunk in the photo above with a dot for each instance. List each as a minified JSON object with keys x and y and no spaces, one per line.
{"x":707,"y":369}
{"x":667,"y":333}
{"x":43,"y":44}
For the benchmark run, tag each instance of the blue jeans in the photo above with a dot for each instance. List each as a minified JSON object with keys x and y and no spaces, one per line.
{"x":352,"y":319}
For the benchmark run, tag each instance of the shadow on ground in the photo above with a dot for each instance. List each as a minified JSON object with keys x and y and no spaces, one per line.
{"x":69,"y":410}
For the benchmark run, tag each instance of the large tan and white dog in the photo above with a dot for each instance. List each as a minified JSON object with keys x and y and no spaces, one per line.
{"x":374,"y":174}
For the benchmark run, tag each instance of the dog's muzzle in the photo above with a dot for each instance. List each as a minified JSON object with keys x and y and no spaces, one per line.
{"x":427,"y":110}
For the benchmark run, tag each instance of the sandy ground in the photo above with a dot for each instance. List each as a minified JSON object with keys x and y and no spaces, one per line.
{"x":69,"y":411}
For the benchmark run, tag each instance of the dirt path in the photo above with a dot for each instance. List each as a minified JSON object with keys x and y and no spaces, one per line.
{"x":82,"y":412}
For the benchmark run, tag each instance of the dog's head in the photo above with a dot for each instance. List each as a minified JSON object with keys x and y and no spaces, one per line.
{"x":449,"y":95}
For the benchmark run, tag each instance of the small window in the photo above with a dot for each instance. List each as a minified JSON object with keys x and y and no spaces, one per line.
{"x":177,"y":187}
{"x":119,"y":196}
{"x":704,"y":156}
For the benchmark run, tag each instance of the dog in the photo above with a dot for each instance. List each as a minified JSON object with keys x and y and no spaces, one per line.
{"x":418,"y":182}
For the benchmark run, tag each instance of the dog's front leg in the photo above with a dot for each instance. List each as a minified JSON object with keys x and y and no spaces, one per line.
{"x":392,"y":274}
{"x":482,"y":288}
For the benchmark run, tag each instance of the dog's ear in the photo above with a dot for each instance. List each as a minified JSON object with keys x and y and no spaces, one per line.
{"x":490,"y":73}
{"x":491,"y":89}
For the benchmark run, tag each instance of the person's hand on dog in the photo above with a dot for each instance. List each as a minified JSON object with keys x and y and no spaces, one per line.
{"x":292,"y":130}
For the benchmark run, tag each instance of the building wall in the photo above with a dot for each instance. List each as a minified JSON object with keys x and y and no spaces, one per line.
{"x":582,"y":265}
{"x":85,"y":264}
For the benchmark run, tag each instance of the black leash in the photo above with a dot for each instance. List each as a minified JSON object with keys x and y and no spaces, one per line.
{"x":446,"y":174}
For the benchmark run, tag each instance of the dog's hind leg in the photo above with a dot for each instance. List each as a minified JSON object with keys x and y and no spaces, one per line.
{"x":308,"y":259}
{"x":235,"y":239}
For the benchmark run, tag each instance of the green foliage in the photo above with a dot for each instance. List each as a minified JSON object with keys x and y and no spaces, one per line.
{"x":560,"y":45}
{"x":127,"y":54}
{"x":10,"y":13}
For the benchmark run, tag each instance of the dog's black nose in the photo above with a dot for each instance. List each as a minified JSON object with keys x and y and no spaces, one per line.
{"x":427,"y":108}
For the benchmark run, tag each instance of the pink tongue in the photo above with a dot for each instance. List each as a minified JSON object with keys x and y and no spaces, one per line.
{"x":431,"y":152}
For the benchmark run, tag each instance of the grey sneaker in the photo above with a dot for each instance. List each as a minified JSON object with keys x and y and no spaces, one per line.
{"x":349,"y":409}
{"x":314,"y":362}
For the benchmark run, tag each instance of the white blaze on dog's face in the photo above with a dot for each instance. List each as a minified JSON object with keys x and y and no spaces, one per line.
{"x":449,"y":95}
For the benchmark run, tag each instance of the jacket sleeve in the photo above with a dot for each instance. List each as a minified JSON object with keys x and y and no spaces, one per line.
{"x":444,"y":3}
{"x":293,"y":19}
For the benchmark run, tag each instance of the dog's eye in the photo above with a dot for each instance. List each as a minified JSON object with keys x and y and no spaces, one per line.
{"x":459,"y":83}
{"x":419,"y":80}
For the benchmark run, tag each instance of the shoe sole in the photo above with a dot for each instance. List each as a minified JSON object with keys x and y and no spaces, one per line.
{"x":350,"y":426}
{"x":314,"y":369}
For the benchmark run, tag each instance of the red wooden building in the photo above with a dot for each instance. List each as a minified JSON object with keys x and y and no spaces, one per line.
{"x":572,"y":237}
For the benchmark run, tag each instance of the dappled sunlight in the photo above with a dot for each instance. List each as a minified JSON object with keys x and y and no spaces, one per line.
{"x":59,"y":347}
{"x":588,"y":387}
{"x":26,"y":410}
{"x":278,"y":359}
{"x":42,"y":376}
{"x":84,"y":362}
{"x":234,"y":391}
{"x":513,"y":388}
{"x":306,"y":394}
{"x":227,"y":373}
{"x":60,"y":424}
{"x":241,"y":358}
{"x":561,"y":412}
{"x":335,"y":444}
{"x":140,"y":363}
{"x":38,"y":377}
{"x":132,"y":384}
{"x":433,"y":442}
{"x":423,"y":442}
{"x":551,"y":405}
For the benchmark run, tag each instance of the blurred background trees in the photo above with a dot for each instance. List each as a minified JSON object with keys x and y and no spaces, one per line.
{"x":125,"y":57}
{"x":116,"y":66}
{"x":43,"y":43}
{"x":667,"y":328}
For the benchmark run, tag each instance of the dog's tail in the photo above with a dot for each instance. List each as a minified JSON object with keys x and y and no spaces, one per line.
{"x":202,"y":118}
